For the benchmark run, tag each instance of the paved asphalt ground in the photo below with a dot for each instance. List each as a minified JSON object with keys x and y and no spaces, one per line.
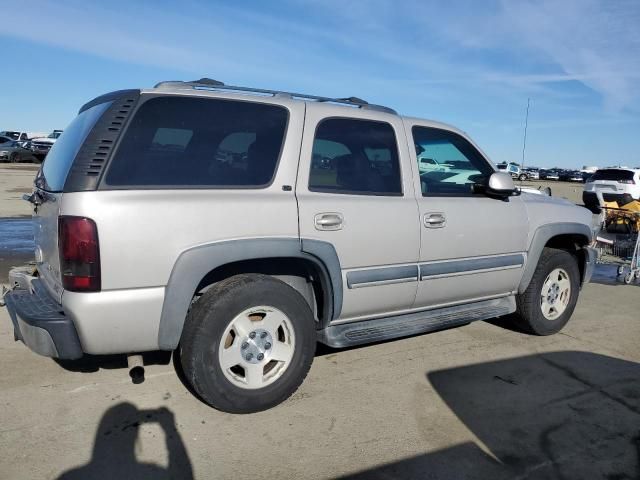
{"x":481,"y":402}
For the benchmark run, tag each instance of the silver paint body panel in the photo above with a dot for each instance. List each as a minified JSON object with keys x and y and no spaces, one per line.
{"x":381,"y":247}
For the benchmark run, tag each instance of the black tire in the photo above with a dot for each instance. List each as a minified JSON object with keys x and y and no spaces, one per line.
{"x":14,"y":158}
{"x":522,"y":177}
{"x":207,"y":322}
{"x":529,"y":316}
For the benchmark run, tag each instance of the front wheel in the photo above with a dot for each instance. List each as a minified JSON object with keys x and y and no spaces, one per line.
{"x":248,"y":343}
{"x":14,"y":158}
{"x":546,"y":305}
{"x":522,"y":177}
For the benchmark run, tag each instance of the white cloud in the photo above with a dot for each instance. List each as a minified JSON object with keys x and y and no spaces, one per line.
{"x":595,"y":42}
{"x":508,"y":49}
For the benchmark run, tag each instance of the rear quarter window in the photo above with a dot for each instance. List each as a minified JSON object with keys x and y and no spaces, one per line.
{"x":60,"y":158}
{"x":180,"y":142}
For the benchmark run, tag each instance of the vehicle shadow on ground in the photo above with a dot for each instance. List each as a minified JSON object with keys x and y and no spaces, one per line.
{"x":562,"y":415}
{"x":93,"y":363}
{"x":114,"y":447}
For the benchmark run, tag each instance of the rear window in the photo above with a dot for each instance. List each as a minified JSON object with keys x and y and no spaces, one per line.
{"x":613,"y":174}
{"x":175,"y":142}
{"x":60,"y":158}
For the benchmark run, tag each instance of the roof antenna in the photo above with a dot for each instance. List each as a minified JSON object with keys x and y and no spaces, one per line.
{"x":524,"y":140}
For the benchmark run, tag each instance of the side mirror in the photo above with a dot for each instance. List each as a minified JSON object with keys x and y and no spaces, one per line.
{"x":501,"y":185}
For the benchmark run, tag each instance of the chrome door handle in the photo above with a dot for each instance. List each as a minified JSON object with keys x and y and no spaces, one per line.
{"x":434,"y":220}
{"x":328,"y":221}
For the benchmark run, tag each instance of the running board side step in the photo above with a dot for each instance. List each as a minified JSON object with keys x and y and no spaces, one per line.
{"x":387,"y":328}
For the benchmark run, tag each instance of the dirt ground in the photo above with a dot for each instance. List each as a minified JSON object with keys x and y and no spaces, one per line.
{"x":16,"y":179}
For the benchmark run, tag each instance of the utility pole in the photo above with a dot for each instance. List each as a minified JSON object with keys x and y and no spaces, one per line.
{"x":524,"y":141}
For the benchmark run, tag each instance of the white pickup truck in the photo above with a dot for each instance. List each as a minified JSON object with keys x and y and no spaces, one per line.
{"x":40,"y":146}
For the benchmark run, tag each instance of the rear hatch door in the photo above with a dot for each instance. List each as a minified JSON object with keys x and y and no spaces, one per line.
{"x":611,"y":180}
{"x":45,"y":229}
{"x":48,"y":196}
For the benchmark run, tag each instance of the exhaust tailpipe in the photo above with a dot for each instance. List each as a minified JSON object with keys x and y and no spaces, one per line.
{"x":135,"y":363}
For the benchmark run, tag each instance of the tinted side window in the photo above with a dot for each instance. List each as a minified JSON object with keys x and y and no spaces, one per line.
{"x":353,"y":156}
{"x":448,"y":163}
{"x":200,"y":142}
{"x":60,"y":158}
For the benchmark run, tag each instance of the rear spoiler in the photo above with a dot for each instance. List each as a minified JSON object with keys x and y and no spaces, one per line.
{"x":107,"y":97}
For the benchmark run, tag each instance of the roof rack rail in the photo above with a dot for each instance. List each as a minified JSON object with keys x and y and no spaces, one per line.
{"x":208,"y":83}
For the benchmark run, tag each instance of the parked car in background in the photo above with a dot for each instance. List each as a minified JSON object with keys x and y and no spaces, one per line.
{"x":21,"y":136}
{"x":532,"y":173}
{"x":570,"y":176}
{"x":14,"y":152}
{"x":575,"y":176}
{"x":620,"y":185}
{"x":40,"y":146}
{"x":549,"y":175}
{"x":13,"y":135}
{"x":513,"y":169}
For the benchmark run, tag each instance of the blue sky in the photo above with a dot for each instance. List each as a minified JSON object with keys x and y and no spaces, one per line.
{"x":469,"y":63}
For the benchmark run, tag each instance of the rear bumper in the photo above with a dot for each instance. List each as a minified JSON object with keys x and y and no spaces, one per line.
{"x":40,"y":322}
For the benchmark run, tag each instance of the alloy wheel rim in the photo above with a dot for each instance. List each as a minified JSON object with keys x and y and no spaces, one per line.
{"x":257,"y":347}
{"x":555,"y":294}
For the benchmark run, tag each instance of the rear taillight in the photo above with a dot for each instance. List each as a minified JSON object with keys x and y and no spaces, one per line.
{"x":628,"y":182}
{"x":79,"y":254}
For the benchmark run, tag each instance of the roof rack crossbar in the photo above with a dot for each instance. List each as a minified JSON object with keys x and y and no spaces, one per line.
{"x":209,"y":84}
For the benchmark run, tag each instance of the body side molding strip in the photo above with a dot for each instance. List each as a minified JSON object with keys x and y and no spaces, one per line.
{"x":452,"y":267}
{"x":382,"y":276}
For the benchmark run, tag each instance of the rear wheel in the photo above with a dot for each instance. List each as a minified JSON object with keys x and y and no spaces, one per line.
{"x":522,"y":177}
{"x":548,"y":302}
{"x":248,"y":343}
{"x":14,"y":158}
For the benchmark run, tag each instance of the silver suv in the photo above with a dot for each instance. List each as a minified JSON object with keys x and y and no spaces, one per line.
{"x":237,"y":227}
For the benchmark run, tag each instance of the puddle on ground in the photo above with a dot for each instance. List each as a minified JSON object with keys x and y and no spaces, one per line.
{"x":607,"y":274}
{"x":16,"y":244}
{"x":16,"y":235}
